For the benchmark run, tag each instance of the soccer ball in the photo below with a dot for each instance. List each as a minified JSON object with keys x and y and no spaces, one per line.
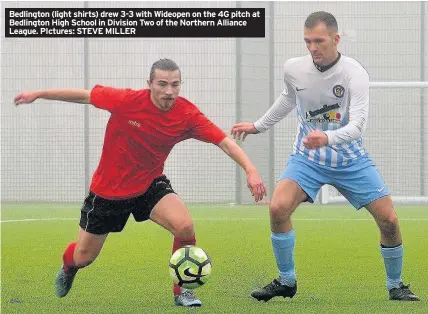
{"x":190,"y":267}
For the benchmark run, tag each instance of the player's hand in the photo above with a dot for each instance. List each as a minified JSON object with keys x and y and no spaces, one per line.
{"x":315,"y":139}
{"x":25,"y":97}
{"x":242,"y":130}
{"x":256,"y":185}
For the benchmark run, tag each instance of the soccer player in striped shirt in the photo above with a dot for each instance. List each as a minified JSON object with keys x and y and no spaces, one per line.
{"x":144,"y":126}
{"x":331,"y":95}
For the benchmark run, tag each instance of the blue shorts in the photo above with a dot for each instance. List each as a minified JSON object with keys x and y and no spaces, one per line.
{"x":359,"y":182}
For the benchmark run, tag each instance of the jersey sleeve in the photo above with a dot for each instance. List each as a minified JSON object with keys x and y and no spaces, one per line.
{"x":283,"y":105}
{"x":204,"y":130}
{"x":358,"y":112}
{"x":110,"y":98}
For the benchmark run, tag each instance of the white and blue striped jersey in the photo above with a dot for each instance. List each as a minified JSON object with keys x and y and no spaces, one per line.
{"x":334,"y":101}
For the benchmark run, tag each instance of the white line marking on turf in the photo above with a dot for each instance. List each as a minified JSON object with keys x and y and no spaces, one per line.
{"x":37,"y":219}
{"x":228,"y":219}
{"x":307,"y":219}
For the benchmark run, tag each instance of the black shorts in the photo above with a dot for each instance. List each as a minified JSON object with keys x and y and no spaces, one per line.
{"x":101,"y":216}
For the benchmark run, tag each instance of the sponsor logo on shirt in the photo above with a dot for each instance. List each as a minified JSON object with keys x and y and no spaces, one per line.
{"x":134,"y":123}
{"x":325,"y":108}
{"x":327,"y":114}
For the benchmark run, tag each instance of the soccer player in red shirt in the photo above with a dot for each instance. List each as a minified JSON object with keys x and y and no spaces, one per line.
{"x":143,"y":128}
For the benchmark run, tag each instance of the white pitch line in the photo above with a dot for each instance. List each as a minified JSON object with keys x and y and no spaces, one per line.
{"x":37,"y":219}
{"x":307,"y":219}
{"x":226,"y":219}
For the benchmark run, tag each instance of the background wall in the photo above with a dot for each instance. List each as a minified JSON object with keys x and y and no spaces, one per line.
{"x":43,"y":154}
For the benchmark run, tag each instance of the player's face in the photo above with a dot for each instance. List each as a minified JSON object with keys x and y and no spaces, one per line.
{"x":322,"y":43}
{"x":164,"y":88}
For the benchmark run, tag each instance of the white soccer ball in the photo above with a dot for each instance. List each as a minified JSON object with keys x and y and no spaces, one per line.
{"x":190,"y":267}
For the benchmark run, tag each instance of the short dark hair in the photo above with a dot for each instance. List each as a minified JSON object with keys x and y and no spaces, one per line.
{"x":321,"y":17}
{"x":163,"y":65}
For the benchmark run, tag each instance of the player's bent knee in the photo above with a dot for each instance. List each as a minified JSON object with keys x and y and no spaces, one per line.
{"x":185,"y":229}
{"x":389,"y":224}
{"x":280,"y":211}
{"x":392,"y":219}
{"x":392,"y":222}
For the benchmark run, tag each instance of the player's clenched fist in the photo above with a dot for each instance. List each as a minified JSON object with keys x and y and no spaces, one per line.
{"x":315,"y":139}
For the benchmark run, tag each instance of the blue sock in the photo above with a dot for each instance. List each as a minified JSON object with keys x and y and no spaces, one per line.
{"x":283,"y":248}
{"x":393,"y":259}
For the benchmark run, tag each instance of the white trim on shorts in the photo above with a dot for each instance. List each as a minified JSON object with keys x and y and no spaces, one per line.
{"x":87,"y":214}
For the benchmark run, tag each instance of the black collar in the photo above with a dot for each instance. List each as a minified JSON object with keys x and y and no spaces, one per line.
{"x":323,"y":68}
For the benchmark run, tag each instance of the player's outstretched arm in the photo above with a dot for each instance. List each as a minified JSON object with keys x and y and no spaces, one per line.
{"x":284,"y":104}
{"x":254,"y":181}
{"x":69,"y":95}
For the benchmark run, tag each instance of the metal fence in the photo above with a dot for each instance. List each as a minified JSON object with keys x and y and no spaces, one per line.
{"x":50,"y":149}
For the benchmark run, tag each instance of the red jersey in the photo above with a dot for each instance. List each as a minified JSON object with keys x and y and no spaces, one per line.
{"x":139,"y":137}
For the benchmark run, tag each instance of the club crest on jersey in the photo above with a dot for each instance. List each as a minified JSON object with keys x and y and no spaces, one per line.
{"x":338,"y":91}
